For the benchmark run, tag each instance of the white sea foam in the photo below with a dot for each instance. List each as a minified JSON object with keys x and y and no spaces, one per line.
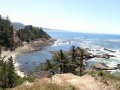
{"x":58,"y":42}
{"x":114,"y":71}
{"x":112,"y":40}
{"x":112,"y":64}
{"x":7,"y":55}
{"x":62,"y":42}
{"x":98,"y":50}
{"x":77,"y":38}
{"x":21,"y":74}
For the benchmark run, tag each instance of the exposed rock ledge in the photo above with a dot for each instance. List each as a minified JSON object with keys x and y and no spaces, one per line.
{"x":100,"y":66}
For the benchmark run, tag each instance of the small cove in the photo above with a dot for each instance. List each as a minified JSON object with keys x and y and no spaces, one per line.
{"x":30,"y":60}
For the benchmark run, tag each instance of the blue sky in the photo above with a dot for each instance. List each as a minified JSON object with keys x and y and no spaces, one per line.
{"x":94,"y":16}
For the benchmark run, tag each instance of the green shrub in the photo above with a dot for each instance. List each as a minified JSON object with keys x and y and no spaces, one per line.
{"x":21,"y":80}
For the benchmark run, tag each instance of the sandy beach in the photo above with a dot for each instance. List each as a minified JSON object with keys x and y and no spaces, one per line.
{"x":32,"y":46}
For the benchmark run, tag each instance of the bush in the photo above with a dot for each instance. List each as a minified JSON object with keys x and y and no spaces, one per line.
{"x":21,"y":80}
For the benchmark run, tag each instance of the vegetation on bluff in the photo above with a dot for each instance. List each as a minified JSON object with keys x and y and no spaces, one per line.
{"x":6,"y":32}
{"x":11,"y":38}
{"x":31,"y":33}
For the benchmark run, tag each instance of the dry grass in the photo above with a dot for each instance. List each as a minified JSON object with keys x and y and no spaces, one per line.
{"x":106,"y":78}
{"x":64,"y":82}
{"x":42,"y":84}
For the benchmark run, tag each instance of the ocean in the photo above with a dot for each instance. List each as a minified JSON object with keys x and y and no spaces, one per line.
{"x":64,"y":40}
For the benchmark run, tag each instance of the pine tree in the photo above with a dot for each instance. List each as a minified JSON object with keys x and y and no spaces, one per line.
{"x":80,"y":58}
{"x":81,"y":62}
{"x":11,"y":72}
{"x":73,"y":53}
{"x":48,"y":65}
{"x":0,"y":51}
{"x":4,"y":76}
{"x":61,"y":61}
{"x":6,"y":33}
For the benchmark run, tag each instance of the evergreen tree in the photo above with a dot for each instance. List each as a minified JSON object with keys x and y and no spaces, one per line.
{"x":30,"y":33}
{"x":4,"y":76}
{"x":5,"y":33}
{"x":0,"y":51}
{"x":61,"y":61}
{"x":81,"y":62}
{"x":79,"y":59}
{"x":73,"y":53}
{"x":11,"y":72}
{"x":48,"y":65}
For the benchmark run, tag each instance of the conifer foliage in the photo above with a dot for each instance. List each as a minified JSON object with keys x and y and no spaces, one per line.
{"x":11,"y":38}
{"x":66,"y":62}
{"x":30,"y":33}
{"x":8,"y":77}
{"x":6,"y":33}
{"x":11,"y":72}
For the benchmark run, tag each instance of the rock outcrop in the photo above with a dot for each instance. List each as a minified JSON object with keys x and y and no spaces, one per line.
{"x":109,"y":50}
{"x":17,"y":42}
{"x":100,"y":66}
{"x":87,"y":55}
{"x":106,"y":56}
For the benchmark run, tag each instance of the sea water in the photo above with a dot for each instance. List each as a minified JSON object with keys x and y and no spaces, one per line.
{"x":65,"y":39}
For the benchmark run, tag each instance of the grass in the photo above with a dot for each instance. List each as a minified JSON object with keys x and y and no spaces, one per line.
{"x":43,"y":84}
{"x":21,"y":80}
{"x":106,"y":78}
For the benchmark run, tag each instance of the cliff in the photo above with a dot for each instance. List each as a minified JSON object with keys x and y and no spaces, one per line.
{"x":17,"y":42}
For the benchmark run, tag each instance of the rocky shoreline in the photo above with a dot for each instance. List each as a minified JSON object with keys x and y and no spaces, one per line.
{"x":35,"y":45}
{"x":89,"y":55}
{"x":100,"y":66}
{"x":27,"y":47}
{"x":39,"y":44}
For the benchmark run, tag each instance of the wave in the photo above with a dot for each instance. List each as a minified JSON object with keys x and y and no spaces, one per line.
{"x":22,"y":74}
{"x":112,"y":40}
{"x":62,"y":42}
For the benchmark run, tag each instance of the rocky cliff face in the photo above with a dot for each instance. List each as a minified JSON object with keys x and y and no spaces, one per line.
{"x":17,"y":42}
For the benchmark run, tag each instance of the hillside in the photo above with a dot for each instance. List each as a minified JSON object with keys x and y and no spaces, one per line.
{"x":11,"y":38}
{"x":66,"y":81}
{"x":17,"y":25}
